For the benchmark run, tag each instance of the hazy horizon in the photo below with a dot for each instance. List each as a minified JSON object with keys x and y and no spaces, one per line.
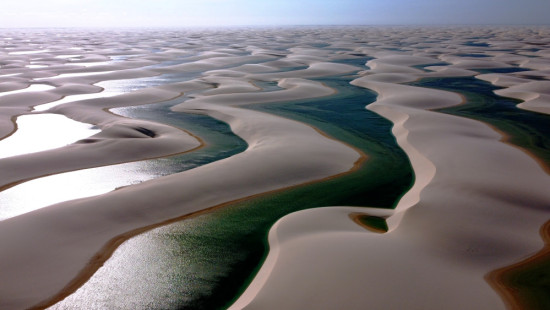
{"x":222,"y":13}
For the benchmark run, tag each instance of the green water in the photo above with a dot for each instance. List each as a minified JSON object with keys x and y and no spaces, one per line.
{"x":532,"y":283}
{"x":220,"y":141}
{"x":235,"y":236}
{"x":212,"y":257}
{"x":204,"y":262}
{"x":374,"y":222}
{"x":526,"y":129}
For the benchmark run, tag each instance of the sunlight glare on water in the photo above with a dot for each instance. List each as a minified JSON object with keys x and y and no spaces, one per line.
{"x":32,"y":88}
{"x":73,"y":98}
{"x":147,"y":257}
{"x":78,"y":74}
{"x":67,"y":186}
{"x":40,"y":132}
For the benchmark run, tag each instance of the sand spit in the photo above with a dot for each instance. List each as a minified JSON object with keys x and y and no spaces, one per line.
{"x":476,"y":206}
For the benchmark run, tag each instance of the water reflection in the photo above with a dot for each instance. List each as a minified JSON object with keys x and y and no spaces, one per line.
{"x":76,"y":56}
{"x":73,"y":98}
{"x":221,"y":143}
{"x":78,"y":74}
{"x":146,"y":257}
{"x":129,"y":85}
{"x":8,"y":75}
{"x":29,"y":52}
{"x":91,"y":64}
{"x":40,"y":132}
{"x":199,"y":263}
{"x":157,"y":291}
{"x":38,"y":193}
{"x":32,"y":88}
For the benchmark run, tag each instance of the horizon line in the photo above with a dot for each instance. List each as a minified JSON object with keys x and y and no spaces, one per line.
{"x":277,"y":26}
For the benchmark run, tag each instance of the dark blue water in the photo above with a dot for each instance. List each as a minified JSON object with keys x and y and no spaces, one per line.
{"x":476,"y":44}
{"x":529,"y":130}
{"x":501,"y":70}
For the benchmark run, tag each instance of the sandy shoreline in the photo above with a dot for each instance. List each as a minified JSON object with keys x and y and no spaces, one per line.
{"x":129,"y":209}
{"x":501,"y":279}
{"x":107,"y":251}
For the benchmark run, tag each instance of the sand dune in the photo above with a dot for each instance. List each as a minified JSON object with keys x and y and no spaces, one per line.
{"x":476,"y":205}
{"x":264,"y":166}
{"x":447,"y":231}
{"x":535,"y":95}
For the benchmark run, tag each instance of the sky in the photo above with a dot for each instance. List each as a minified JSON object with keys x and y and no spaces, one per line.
{"x":201,"y":13}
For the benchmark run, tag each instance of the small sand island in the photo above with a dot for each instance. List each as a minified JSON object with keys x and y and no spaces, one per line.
{"x":275,"y":168}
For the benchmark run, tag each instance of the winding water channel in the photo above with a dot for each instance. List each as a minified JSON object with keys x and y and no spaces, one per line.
{"x":204,"y":261}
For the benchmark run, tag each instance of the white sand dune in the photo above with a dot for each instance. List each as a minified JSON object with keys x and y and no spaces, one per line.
{"x":264,"y":166}
{"x":502,"y":80}
{"x":317,"y":69}
{"x":535,"y":95}
{"x":460,"y":62}
{"x":228,"y":85}
{"x":537,"y":64}
{"x":213,"y":63}
{"x":293,"y":89}
{"x":124,"y":139}
{"x":476,"y":205}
